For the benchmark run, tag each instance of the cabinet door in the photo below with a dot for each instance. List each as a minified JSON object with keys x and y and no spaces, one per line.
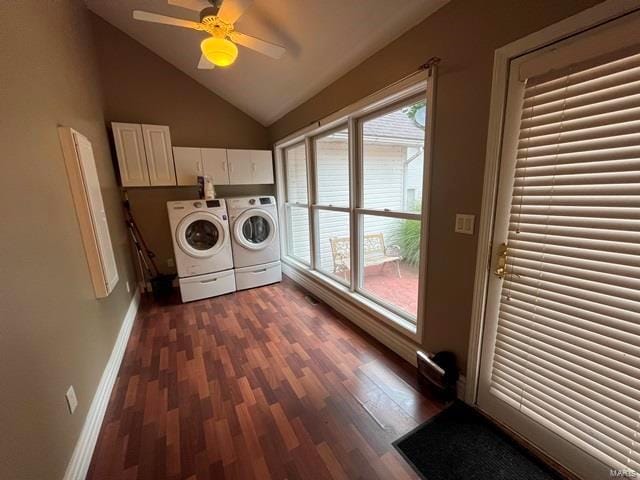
{"x":188,"y":162}
{"x":132,"y":160}
{"x":157,"y":143}
{"x":214,"y":164}
{"x":262,"y":166}
{"x":240,"y":167}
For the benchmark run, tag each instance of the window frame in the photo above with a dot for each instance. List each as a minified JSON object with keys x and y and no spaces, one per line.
{"x":316,"y":206}
{"x":418,"y":87}
{"x":288,"y":205}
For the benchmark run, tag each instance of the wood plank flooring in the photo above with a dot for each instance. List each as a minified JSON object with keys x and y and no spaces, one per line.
{"x":257,"y":384}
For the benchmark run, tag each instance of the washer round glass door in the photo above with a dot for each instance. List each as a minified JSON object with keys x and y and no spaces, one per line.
{"x":200,"y":234}
{"x":254,"y":229}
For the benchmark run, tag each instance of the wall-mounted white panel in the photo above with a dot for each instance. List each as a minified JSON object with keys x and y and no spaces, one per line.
{"x":87,"y":197}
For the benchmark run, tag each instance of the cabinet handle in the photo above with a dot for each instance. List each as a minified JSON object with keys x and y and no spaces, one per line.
{"x":224,"y":166}
{"x":253,"y":167}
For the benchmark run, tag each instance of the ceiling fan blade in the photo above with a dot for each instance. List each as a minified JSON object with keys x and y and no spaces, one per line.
{"x":205,"y":64}
{"x":157,"y":18}
{"x":269,"y":49}
{"x":195,"y":5}
{"x":232,"y":10}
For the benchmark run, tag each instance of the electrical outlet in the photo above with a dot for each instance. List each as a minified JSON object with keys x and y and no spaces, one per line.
{"x":128,"y":287}
{"x":72,"y":401}
{"x":170,"y":262}
{"x":464,"y":223}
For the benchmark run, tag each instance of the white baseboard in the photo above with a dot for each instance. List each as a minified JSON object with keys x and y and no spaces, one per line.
{"x":82,"y":453}
{"x":387,"y":336}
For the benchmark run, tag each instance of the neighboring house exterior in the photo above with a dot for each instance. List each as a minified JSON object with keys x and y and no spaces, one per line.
{"x":393,"y":163}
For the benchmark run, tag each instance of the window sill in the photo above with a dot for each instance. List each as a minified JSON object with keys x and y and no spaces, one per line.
{"x":379,"y":313}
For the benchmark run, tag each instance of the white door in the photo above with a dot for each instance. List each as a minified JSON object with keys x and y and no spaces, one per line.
{"x":250,"y":167}
{"x":262,"y":166}
{"x":560,"y":358}
{"x":132,"y":161}
{"x":240,"y":171}
{"x":188,"y":162}
{"x":97,"y":211}
{"x":157,"y":143}
{"x":214,"y":164}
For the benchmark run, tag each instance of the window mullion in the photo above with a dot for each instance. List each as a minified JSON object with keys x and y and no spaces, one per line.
{"x":355,"y":182}
{"x":311,"y":199}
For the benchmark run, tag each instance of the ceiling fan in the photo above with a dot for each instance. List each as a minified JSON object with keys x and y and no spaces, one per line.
{"x":216,"y":18}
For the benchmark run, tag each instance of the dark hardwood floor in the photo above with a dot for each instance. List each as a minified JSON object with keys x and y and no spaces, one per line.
{"x":257,"y":384}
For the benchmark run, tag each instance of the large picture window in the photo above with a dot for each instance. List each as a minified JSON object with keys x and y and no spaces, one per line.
{"x":354,"y":204}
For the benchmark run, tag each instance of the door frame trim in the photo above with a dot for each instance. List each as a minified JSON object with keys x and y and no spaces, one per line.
{"x":589,"y":18}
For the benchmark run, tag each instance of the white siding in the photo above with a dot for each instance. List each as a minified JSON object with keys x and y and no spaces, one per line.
{"x":386,"y":180}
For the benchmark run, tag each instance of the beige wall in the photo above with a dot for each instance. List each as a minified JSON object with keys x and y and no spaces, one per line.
{"x":141,"y":87}
{"x":53,"y":332}
{"x":465,"y":34}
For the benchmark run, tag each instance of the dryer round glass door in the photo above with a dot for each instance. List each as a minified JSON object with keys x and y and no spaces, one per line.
{"x":200,"y":234}
{"x":254,"y":229}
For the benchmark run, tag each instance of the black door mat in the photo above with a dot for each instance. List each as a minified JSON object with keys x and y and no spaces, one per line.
{"x":459,"y":443}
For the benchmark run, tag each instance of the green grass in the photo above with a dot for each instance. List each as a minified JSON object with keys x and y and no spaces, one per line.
{"x":407,"y":237}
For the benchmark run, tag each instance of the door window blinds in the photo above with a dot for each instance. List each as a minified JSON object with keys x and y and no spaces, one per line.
{"x":567,"y":351}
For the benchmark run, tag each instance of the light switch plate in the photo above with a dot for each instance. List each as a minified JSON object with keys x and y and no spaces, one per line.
{"x":465,"y":223}
{"x":72,"y":401}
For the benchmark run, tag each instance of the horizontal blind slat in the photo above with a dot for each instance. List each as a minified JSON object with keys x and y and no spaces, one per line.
{"x":572,"y":88}
{"x":617,"y":436}
{"x":619,"y":343}
{"x":618,"y":394}
{"x":553,"y":126}
{"x":590,"y":110}
{"x":598,"y":71}
{"x":608,"y":283}
{"x":607,"y":178}
{"x":624,"y":224}
{"x":610,"y":260}
{"x":530,"y":291}
{"x":544,"y":238}
{"x":622,"y":369}
{"x":599,"y":98}
{"x":595,"y":396}
{"x":603,"y":166}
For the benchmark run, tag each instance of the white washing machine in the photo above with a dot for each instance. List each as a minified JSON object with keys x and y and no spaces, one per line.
{"x":255,"y":241}
{"x":202,"y":247}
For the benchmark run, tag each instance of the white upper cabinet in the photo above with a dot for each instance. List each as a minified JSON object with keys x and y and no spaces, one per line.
{"x":157,"y":145}
{"x":132,"y":160}
{"x":250,"y":166}
{"x":144,"y":154}
{"x":214,"y":164}
{"x":188,"y":165}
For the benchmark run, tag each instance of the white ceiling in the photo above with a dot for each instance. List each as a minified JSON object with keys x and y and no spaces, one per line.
{"x":324,"y":40}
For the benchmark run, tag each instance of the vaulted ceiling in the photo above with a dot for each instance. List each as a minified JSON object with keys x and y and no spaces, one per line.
{"x":324,"y":40}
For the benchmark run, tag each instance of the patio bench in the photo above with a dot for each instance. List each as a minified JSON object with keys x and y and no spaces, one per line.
{"x":375,"y":253}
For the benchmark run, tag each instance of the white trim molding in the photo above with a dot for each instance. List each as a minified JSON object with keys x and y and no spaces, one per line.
{"x":397,"y":342}
{"x":83,"y":451}
{"x":585,"y":20}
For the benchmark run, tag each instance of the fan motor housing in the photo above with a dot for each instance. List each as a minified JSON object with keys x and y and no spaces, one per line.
{"x":208,"y":12}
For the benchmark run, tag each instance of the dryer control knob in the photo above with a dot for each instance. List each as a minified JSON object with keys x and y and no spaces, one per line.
{"x":197,"y":204}
{"x":252,"y":201}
